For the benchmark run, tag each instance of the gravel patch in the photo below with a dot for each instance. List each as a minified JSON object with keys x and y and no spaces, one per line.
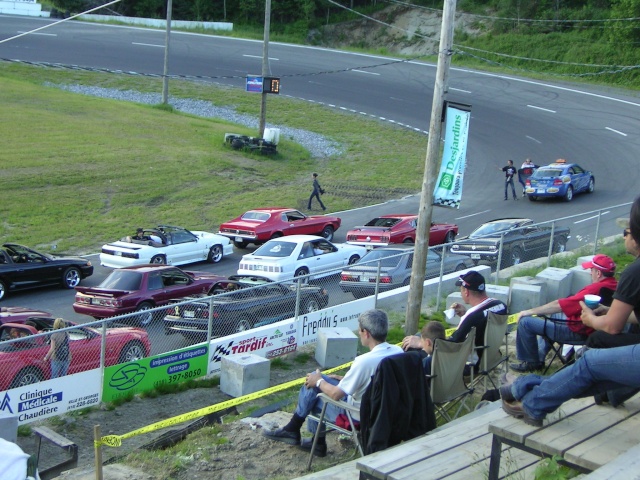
{"x":318,"y":145}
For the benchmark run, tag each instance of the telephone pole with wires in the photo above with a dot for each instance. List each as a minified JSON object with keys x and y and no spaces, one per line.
{"x":425,"y":211}
{"x":265,"y":66}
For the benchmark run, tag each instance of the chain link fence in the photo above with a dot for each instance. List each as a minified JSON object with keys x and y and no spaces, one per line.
{"x":246,"y":302}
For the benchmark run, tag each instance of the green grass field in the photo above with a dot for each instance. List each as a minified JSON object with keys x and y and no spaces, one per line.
{"x":78,"y":171}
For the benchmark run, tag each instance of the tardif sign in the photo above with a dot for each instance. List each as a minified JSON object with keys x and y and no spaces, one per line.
{"x":52,"y":397}
{"x":145,"y":374}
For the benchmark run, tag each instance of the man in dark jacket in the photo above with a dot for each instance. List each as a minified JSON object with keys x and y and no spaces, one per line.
{"x":317,"y":191}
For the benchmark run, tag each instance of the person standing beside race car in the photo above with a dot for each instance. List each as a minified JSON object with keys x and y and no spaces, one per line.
{"x":526,"y":170}
{"x":509,"y":172}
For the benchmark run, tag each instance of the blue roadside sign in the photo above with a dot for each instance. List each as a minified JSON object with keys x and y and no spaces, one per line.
{"x":254,"y":84}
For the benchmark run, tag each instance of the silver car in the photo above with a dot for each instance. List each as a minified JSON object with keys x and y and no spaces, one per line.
{"x":395,"y":265}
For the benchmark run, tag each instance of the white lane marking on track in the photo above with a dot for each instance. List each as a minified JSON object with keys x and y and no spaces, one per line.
{"x":459,"y":90}
{"x":473,"y":214}
{"x":591,"y":218}
{"x":616,"y":131}
{"x":540,"y":108}
{"x":533,"y":139}
{"x":363,"y":71}
{"x":260,"y":56}
{"x":43,"y":34}
{"x":147,"y":44}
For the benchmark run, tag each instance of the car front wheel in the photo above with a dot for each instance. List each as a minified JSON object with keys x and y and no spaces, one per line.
{"x":71,"y":277}
{"x":311,"y":305}
{"x":243,"y":325}
{"x":354,"y":259}
{"x":215,"y":254}
{"x":3,"y":290}
{"x":516,"y":256}
{"x":27,"y":376}
{"x":592,"y":185}
{"x":451,"y":236}
{"x":560,"y":245}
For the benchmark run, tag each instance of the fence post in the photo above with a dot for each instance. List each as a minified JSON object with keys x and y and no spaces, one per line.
{"x":444,"y":253}
{"x":210,"y":326}
{"x":375,"y":293}
{"x":595,"y":240}
{"x":500,"y":252}
{"x":97,"y":448}
{"x":553,"y":231}
{"x":298,"y":287}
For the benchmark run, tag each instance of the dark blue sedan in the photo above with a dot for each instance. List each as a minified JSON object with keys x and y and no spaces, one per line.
{"x":560,"y":179}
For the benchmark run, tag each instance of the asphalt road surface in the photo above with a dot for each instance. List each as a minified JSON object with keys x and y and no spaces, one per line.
{"x":511,"y":118}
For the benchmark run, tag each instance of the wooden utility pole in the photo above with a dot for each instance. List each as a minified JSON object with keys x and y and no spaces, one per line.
{"x":165,"y":71}
{"x":265,"y":65}
{"x":430,"y":170}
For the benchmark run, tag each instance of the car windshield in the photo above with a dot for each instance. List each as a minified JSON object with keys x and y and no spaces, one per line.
{"x":275,"y":248}
{"x":547,"y":173}
{"x":122,"y":280}
{"x":491,"y":229}
{"x":256,"y":216}
{"x":382,"y":222}
{"x":387,"y":258}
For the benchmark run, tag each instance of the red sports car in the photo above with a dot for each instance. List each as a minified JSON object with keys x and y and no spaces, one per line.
{"x":22,"y":362}
{"x":144,"y":287}
{"x":386,"y":229}
{"x":262,"y":224}
{"x":19,"y":314}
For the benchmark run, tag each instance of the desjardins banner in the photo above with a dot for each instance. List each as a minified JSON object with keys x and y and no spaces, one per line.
{"x":448,"y":190}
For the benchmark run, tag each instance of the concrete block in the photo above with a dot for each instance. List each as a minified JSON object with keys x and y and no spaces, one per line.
{"x":244,"y":374}
{"x":498,"y":292}
{"x":532,"y":281}
{"x":525,"y":296}
{"x":558,"y":282}
{"x":580,"y":278}
{"x":335,"y":346}
{"x":8,"y":426}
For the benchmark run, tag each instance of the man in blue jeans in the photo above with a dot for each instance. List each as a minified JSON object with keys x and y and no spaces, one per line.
{"x":532,"y":349}
{"x":373,"y":327}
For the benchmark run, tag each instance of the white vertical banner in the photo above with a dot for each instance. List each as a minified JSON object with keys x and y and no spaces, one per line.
{"x":448,"y":189}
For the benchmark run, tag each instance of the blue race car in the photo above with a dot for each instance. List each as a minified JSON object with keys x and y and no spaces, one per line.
{"x":560,"y":179}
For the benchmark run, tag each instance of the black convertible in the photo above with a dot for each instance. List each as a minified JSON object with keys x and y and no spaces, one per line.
{"x":242,"y":302}
{"x":521,"y":239}
{"x":22,"y":268}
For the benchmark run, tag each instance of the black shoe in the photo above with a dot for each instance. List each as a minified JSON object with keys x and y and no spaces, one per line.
{"x":525,"y":367}
{"x":515,"y":198}
{"x":280,"y":435}
{"x":506,"y":394}
{"x":506,"y":198}
{"x":319,"y":451}
{"x":515,"y":410}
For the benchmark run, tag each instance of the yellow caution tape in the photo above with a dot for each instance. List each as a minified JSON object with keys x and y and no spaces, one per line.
{"x":116,"y":440}
{"x":511,"y":319}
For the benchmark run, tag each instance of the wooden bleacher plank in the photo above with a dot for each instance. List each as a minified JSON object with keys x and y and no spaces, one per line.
{"x":381,"y":464}
{"x":53,"y":437}
{"x":597,"y":451}
{"x":516,"y":464}
{"x":624,"y":467}
{"x":517,"y":431}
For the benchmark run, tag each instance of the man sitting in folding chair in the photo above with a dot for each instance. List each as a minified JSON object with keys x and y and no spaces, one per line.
{"x":473,"y":291}
{"x":373,"y":328}
{"x":568,"y":328}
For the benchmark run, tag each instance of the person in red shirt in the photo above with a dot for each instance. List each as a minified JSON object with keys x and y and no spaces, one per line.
{"x":532,"y":351}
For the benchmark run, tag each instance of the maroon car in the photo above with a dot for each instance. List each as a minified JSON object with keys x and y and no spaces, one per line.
{"x":22,"y":361}
{"x":262,"y":224}
{"x":135,"y":289}
{"x":19,"y":314}
{"x":386,"y":229}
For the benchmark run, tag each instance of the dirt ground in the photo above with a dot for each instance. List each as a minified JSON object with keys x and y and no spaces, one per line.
{"x":246,"y":455}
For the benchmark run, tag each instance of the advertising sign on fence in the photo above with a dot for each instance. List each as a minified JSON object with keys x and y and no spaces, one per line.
{"x":147,"y":373}
{"x":52,"y":397}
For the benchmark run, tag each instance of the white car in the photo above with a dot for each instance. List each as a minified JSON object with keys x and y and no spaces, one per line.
{"x":296,"y":255}
{"x":165,"y":245}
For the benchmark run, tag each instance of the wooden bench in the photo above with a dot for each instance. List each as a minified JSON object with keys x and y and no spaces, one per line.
{"x":587,"y":436}
{"x":459,"y":450}
{"x":65,"y":444}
